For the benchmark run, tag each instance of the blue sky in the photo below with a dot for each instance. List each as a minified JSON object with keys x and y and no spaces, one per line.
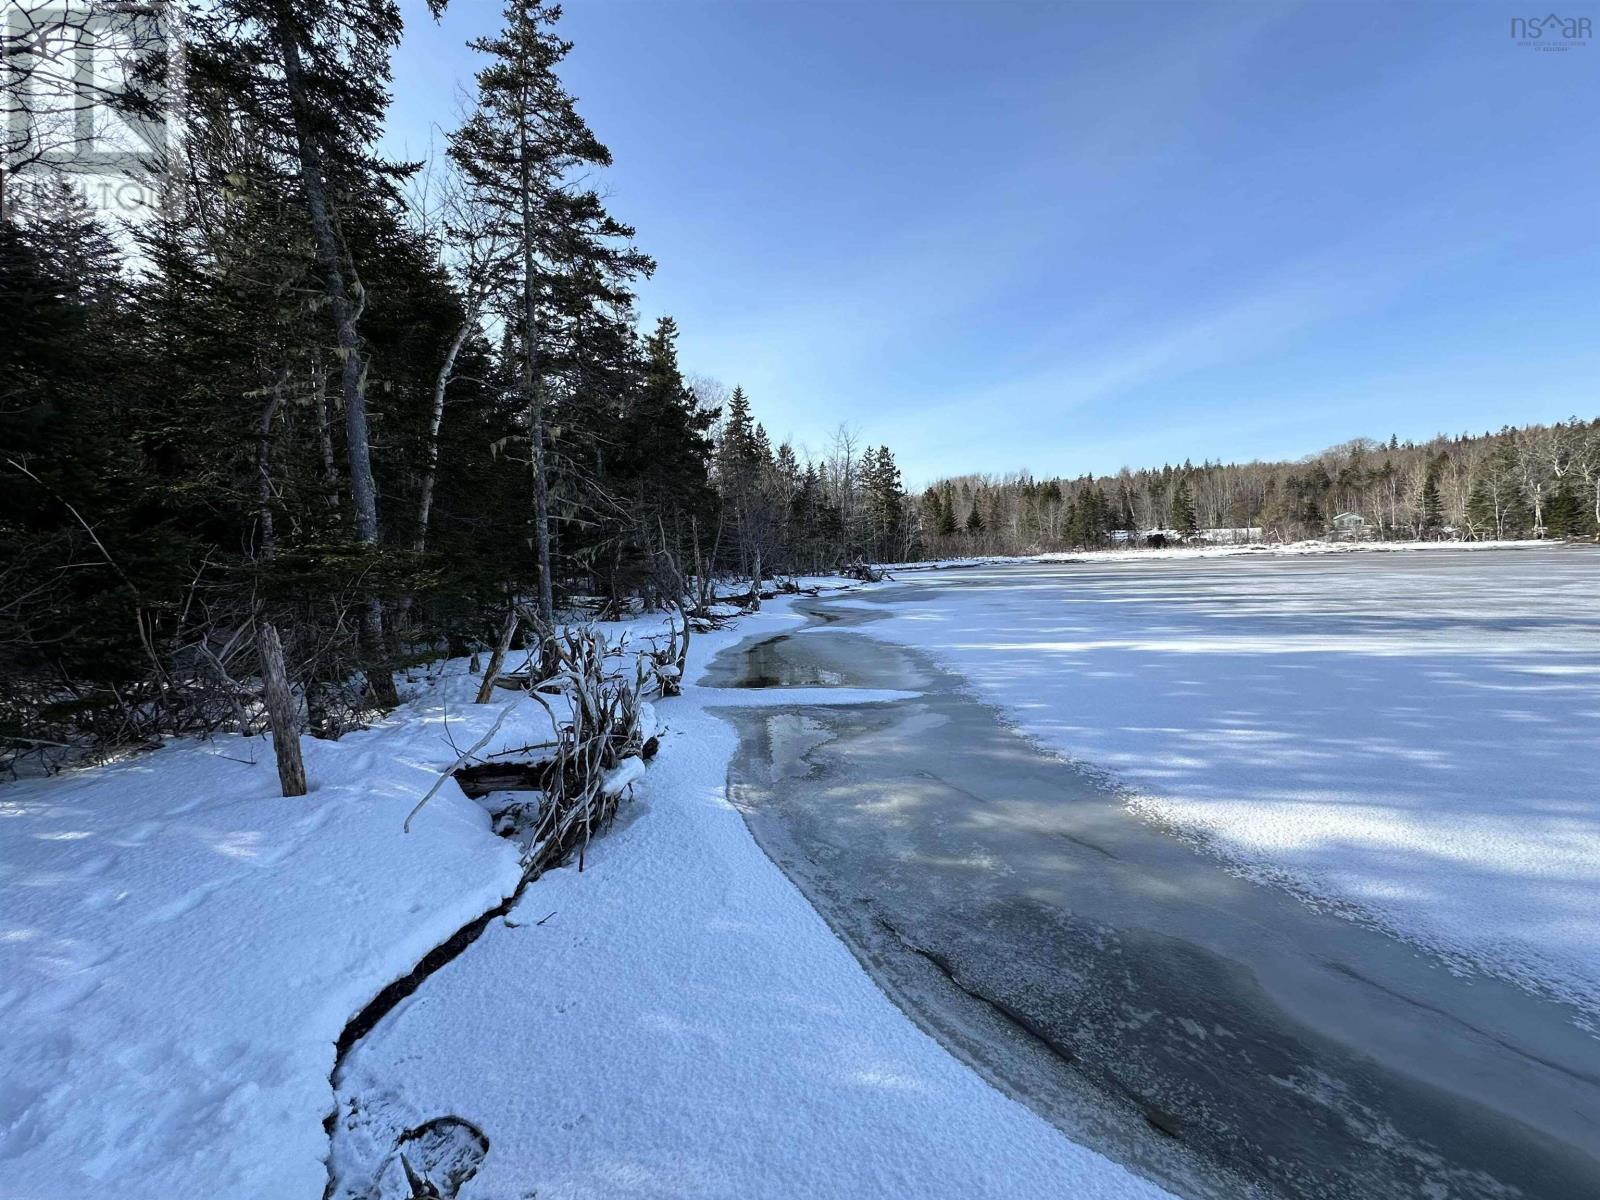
{"x":1072,"y":237}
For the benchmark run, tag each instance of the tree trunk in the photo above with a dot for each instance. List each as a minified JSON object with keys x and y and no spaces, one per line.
{"x":436,"y":419}
{"x":531,"y":390}
{"x":333,"y":259}
{"x":330,"y":469}
{"x":264,"y":471}
{"x":282,"y":711}
{"x":698,"y":595}
{"x":498,"y":658}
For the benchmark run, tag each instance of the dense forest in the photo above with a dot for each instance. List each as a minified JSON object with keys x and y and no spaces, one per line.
{"x":1534,"y":481}
{"x":371,"y":406}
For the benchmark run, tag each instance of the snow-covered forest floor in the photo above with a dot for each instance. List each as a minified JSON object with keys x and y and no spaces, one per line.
{"x":181,"y":948}
{"x":182,"y":945}
{"x":1407,"y":737}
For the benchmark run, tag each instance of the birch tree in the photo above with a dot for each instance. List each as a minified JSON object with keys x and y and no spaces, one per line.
{"x":476,"y":252}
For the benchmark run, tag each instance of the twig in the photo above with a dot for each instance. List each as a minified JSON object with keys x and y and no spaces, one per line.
{"x":521,"y":749}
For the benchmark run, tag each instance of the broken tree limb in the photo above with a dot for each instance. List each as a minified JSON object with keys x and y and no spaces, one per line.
{"x":461,"y":761}
{"x":282,"y":710}
{"x":498,"y":658}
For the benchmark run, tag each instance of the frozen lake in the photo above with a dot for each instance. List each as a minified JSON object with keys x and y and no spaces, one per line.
{"x":1408,"y":736}
{"x":1405,"y":737}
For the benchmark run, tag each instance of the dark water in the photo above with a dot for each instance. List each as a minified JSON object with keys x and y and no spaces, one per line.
{"x":1215,"y":1034}
{"x":771,"y":663}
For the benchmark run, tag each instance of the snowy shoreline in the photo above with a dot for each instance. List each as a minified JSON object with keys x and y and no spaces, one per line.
{"x":1137,"y":554}
{"x":699,"y":1029}
{"x":183,"y":947}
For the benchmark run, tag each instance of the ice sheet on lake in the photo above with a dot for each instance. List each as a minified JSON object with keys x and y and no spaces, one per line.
{"x":1407,"y":736}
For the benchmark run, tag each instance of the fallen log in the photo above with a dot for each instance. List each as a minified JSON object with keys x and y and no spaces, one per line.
{"x":482,"y":778}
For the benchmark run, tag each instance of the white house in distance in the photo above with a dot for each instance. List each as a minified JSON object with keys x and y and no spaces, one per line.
{"x":1351,"y":527}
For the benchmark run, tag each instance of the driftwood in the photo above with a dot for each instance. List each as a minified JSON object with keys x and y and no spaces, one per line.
{"x":282,"y":710}
{"x":598,"y":749}
{"x":460,"y":762}
{"x":667,"y":662}
{"x":861,"y":569}
{"x":480,"y":779}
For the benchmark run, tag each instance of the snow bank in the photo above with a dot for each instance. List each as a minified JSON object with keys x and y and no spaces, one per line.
{"x":1406,"y":737}
{"x":180,"y":947}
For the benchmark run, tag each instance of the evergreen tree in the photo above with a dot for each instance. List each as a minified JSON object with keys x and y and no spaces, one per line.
{"x":939,"y":513}
{"x":1566,"y":515}
{"x":1091,"y":521}
{"x":663,"y":455}
{"x":744,"y":483}
{"x":1182,"y":517}
{"x":518,"y":151}
{"x":884,"y":503}
{"x":737,"y":455}
{"x":1432,"y":511}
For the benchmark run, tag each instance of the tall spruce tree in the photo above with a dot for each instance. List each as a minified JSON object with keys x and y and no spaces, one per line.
{"x":1432,"y":512}
{"x":310,"y":77}
{"x":517,"y":151}
{"x":884,"y":503}
{"x":744,"y":475}
{"x":1183,"y":517}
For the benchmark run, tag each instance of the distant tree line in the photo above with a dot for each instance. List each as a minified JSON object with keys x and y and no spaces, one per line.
{"x":368,"y":406}
{"x":1534,"y":481}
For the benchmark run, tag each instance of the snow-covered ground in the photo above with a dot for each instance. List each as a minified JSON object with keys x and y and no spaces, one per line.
{"x":1406,"y":736}
{"x":180,"y":947}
